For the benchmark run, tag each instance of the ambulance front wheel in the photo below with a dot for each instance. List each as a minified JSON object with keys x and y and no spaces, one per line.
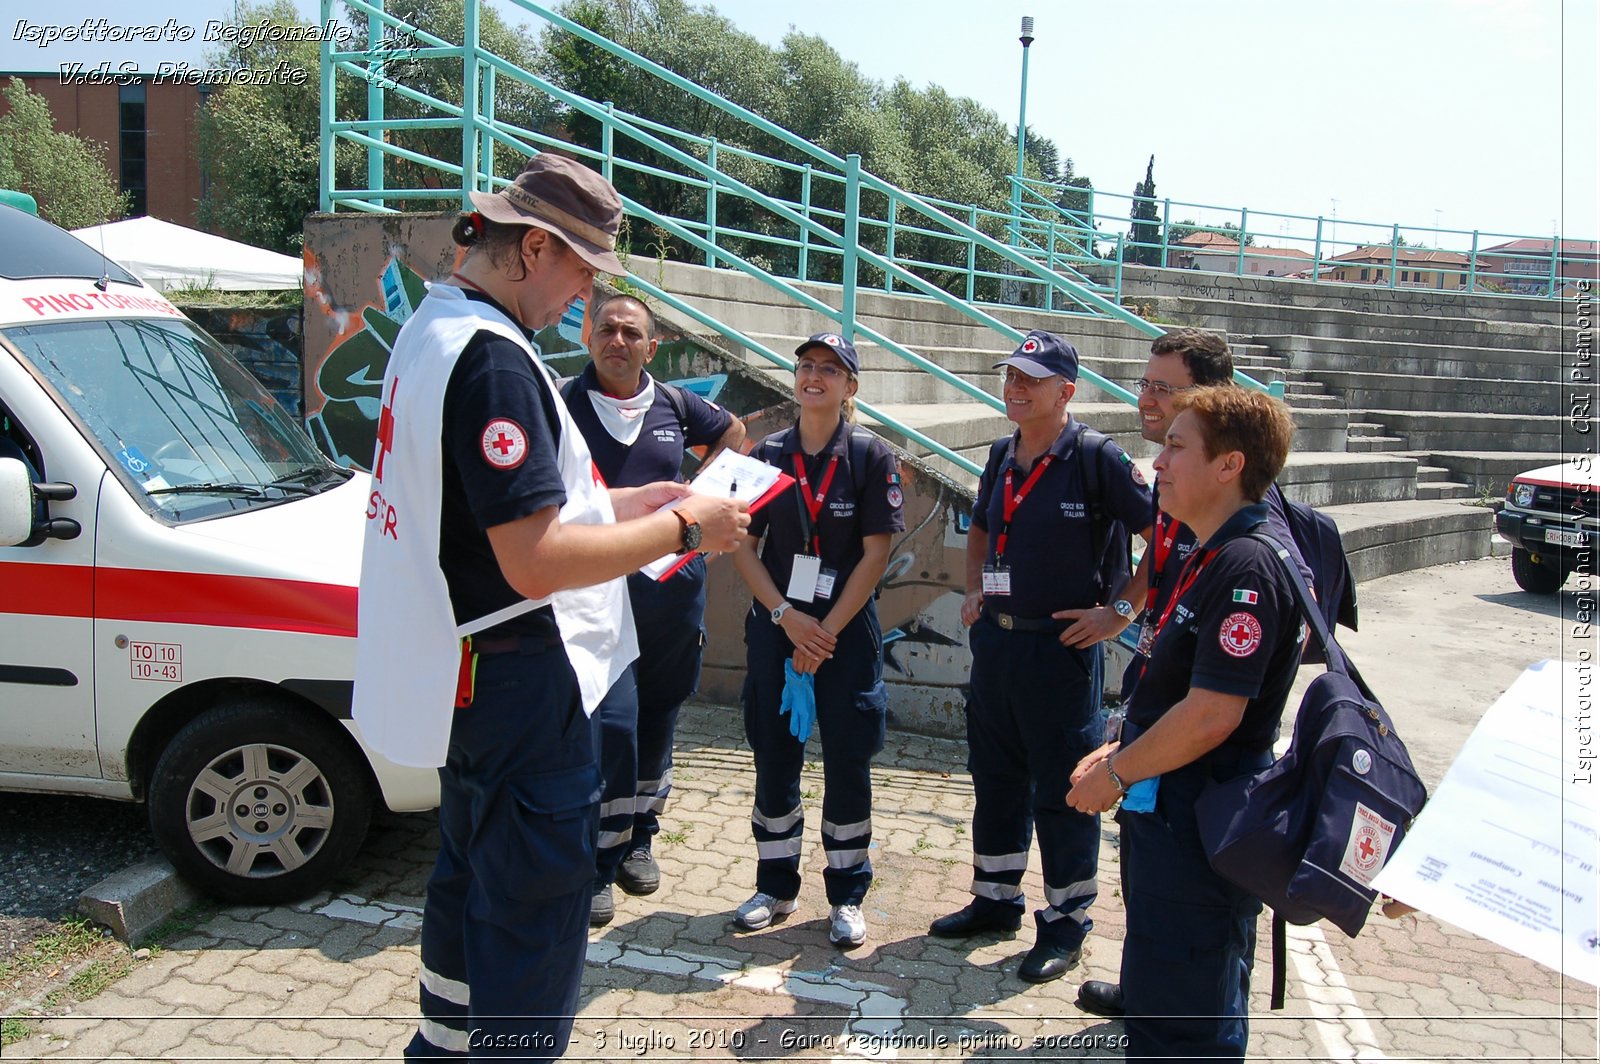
{"x":260,"y":802}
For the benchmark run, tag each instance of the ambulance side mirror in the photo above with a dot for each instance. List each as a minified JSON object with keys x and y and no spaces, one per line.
{"x":23,"y":520}
{"x":16,"y":503}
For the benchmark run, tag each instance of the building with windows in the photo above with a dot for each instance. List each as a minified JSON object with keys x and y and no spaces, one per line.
{"x":149,"y":129}
{"x":1523,"y":266}
{"x":1408,"y":267}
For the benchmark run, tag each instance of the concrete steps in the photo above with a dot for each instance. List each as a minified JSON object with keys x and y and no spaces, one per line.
{"x":1375,"y":466}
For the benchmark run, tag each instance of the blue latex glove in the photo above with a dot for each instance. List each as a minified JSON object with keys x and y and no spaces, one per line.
{"x":799,"y":701}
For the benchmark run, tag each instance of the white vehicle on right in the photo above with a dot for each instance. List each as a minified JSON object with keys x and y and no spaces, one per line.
{"x":1550,"y":518}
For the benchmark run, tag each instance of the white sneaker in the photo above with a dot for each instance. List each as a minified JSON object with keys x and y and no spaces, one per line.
{"x":761,"y":910}
{"x":847,"y":927}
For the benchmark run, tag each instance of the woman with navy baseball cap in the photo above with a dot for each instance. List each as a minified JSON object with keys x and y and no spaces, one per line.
{"x":815,"y":651}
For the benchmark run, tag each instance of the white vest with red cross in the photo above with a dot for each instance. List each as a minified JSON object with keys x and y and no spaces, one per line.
{"x":408,"y":648}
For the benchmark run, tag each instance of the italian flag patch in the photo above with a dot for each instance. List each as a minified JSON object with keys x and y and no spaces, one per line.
{"x":1247,"y":597}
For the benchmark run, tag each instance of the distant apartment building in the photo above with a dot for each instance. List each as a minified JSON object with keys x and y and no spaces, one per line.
{"x":1217,"y":253}
{"x":1523,"y":266}
{"x":1408,"y":267}
{"x":149,"y":129}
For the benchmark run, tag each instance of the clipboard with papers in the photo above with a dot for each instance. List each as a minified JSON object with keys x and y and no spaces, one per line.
{"x":729,"y":475}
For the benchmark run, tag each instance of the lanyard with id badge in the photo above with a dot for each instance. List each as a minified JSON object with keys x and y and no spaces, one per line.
{"x":1141,"y":796}
{"x":1166,"y":531}
{"x":808,"y":580}
{"x":997,"y":574}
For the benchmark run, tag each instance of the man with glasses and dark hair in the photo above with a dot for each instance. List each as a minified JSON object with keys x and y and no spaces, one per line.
{"x":1181,"y":361}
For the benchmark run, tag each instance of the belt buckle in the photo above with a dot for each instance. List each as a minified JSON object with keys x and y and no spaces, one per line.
{"x":1005,"y":621}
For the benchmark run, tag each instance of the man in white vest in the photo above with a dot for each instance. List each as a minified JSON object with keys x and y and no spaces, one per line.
{"x":493,"y":614}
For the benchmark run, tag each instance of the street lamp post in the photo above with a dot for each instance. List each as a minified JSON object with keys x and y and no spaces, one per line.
{"x":1022,"y":135}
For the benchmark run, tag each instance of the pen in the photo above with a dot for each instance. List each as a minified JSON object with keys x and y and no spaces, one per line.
{"x":733,"y":489}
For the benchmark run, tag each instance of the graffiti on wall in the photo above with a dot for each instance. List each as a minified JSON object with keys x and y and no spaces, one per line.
{"x":365,"y":276}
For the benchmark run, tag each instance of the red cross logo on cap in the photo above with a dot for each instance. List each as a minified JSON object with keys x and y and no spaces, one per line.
{"x":505,"y":444}
{"x":1240,"y":634}
{"x":1029,"y":346}
{"x":385,"y":431}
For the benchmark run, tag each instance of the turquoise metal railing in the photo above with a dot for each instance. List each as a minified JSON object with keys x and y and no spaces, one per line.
{"x":838,"y":236}
{"x":1324,"y":248}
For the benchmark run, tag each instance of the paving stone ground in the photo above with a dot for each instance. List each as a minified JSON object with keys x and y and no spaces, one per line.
{"x":334,"y":978}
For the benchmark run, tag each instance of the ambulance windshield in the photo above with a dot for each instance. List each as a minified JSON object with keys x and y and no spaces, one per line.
{"x":187,"y":428}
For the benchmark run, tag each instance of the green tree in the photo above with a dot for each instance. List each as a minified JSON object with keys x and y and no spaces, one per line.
{"x":1145,"y":235}
{"x":260,"y":143}
{"x":516,"y":102}
{"x":65,"y":173}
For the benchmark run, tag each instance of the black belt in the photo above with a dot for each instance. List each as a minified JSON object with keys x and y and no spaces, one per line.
{"x":513,"y":644}
{"x":1024,"y":624}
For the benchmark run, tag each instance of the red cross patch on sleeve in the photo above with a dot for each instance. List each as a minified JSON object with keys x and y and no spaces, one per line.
{"x":1240,"y":634}
{"x":505,"y":444}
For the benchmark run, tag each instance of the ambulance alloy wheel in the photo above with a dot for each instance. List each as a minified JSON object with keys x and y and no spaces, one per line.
{"x":259,"y":802}
{"x":1533,"y":577}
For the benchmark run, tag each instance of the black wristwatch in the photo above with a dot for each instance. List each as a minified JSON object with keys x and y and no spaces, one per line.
{"x":691,"y":531}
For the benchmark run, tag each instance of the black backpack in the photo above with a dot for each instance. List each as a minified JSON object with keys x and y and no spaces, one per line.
{"x":1114,"y":562}
{"x":1308,"y":833}
{"x":1320,"y":544}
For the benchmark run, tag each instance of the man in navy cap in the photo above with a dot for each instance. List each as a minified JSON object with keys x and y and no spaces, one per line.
{"x":1032,"y":557}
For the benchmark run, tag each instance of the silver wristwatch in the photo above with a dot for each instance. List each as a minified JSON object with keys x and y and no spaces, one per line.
{"x":1123,"y":609}
{"x":780,"y":610}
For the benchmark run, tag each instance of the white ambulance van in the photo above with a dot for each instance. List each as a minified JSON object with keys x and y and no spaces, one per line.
{"x":178,"y":569}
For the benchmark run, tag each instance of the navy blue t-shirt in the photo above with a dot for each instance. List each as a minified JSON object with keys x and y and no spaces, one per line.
{"x":1050,"y":550}
{"x":498,"y":447}
{"x":1235,"y":630}
{"x":845,"y":516}
{"x":657,"y":453}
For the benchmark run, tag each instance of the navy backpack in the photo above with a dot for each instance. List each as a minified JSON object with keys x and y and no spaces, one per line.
{"x":1308,"y":833}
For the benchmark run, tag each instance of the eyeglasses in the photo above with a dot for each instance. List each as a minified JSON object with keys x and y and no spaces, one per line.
{"x":831,"y":370}
{"x":1160,"y":388}
{"x":1015,"y":378}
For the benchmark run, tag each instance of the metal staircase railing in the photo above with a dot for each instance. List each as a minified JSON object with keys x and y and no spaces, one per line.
{"x":842,"y":235}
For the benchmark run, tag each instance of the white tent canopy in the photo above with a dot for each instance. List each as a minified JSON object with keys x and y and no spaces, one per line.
{"x":167,"y":256}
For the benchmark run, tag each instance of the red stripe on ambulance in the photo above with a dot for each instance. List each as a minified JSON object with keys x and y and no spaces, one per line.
{"x":165,"y":597}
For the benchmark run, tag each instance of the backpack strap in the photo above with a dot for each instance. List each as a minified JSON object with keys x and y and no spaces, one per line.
{"x":1090,"y":443}
{"x":1280,"y":966}
{"x":1338,"y":660}
{"x":859,"y":449}
{"x":678,"y":401}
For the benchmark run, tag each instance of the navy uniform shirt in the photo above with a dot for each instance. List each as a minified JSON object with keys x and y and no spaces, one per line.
{"x":846,"y":515}
{"x":1050,"y":549}
{"x":1235,"y":630}
{"x":657,"y":453}
{"x":499,"y":464}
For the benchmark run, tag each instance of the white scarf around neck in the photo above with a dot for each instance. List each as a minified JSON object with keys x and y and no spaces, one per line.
{"x":623,"y":418}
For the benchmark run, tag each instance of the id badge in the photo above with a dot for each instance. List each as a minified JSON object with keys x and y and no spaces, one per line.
{"x":803,"y":577}
{"x":825,"y":582}
{"x":996,"y":581}
{"x":1147,"y":639}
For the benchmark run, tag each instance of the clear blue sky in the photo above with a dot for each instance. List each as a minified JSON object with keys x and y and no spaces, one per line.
{"x":1477,"y":113}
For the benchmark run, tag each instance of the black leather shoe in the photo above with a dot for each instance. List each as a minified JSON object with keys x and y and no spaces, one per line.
{"x":1047,"y":961}
{"x":602,"y":908}
{"x":975,"y":921}
{"x":639,"y":873}
{"x":1101,"y":998}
